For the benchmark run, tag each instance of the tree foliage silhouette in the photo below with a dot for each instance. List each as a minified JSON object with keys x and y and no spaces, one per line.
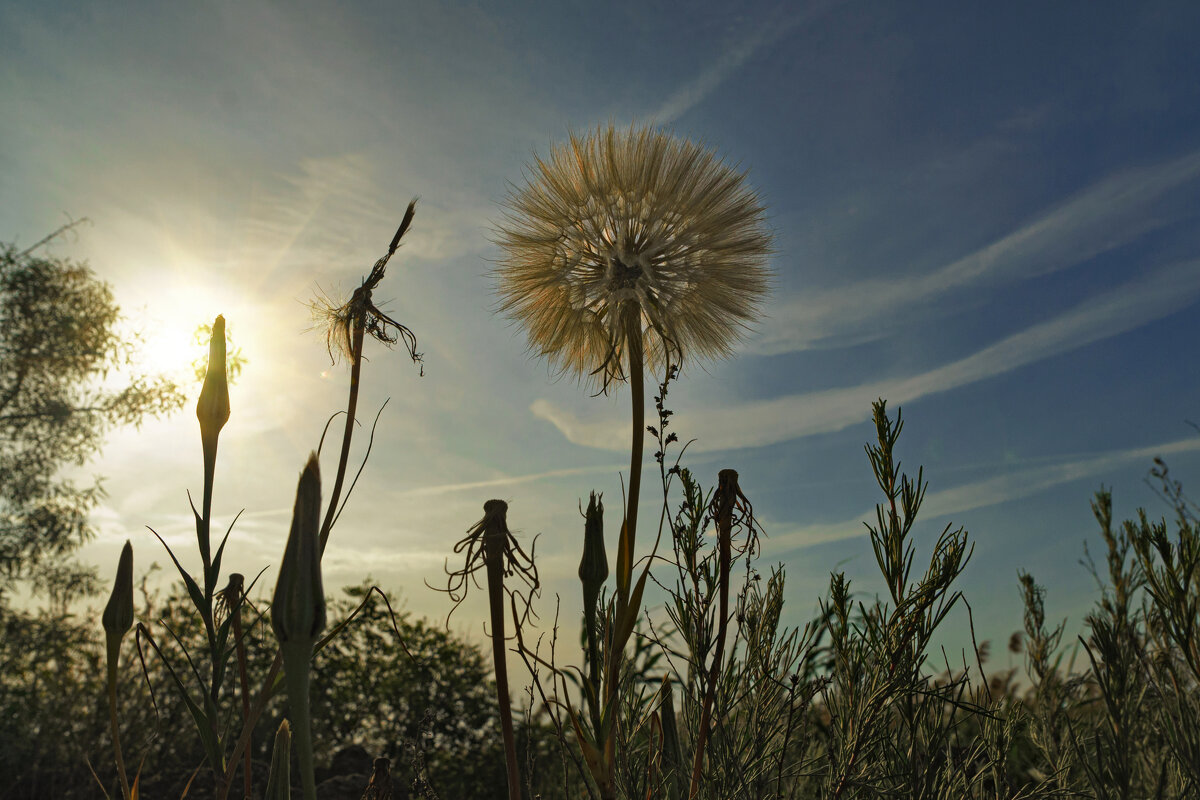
{"x":59,"y":342}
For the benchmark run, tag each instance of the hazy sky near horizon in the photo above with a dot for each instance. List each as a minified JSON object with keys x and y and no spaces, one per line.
{"x":985,"y":213}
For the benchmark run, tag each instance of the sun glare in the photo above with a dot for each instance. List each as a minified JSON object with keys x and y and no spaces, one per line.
{"x":172,"y":351}
{"x":172,"y":332}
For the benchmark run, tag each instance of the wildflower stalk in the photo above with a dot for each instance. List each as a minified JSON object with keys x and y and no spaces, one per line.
{"x":493,"y":547}
{"x":356,"y":348}
{"x":347,"y":327}
{"x":628,"y":249}
{"x":490,"y":546}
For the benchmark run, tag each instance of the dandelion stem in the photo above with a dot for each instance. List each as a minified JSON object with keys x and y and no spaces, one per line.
{"x":494,"y":551}
{"x":638,"y":396}
{"x":356,"y":348}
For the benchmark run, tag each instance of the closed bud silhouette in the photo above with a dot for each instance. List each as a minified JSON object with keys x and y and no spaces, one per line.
{"x":213,"y":407}
{"x":298,"y":607}
{"x":118,"y":614}
{"x":593,"y":567}
{"x":298,"y":613}
{"x":279,"y":779}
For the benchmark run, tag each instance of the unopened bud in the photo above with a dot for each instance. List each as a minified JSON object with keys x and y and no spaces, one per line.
{"x":593,"y":567}
{"x":298,"y":607}
{"x":279,"y":779}
{"x":213,"y":408}
{"x":118,"y":614}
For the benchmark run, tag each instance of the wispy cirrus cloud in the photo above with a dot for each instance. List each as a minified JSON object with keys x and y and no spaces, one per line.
{"x":765,"y":422}
{"x":980,"y":494}
{"x":1112,"y":212}
{"x":508,"y":480}
{"x":691,"y":94}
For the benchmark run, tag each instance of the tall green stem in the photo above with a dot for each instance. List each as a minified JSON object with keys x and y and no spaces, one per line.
{"x":296,"y":677}
{"x":112,"y":719}
{"x":247,"y":777}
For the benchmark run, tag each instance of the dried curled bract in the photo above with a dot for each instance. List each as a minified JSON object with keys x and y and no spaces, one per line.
{"x":490,"y":545}
{"x":339,"y":320}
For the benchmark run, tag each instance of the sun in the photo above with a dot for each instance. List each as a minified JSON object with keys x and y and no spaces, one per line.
{"x":171,"y":335}
{"x":170,"y":350}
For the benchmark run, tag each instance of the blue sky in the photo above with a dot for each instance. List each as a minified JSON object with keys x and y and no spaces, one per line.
{"x":986,"y":213}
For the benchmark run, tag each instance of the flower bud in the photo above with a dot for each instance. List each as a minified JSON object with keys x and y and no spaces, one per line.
{"x":213,"y":407}
{"x":593,"y":567}
{"x":279,"y":780}
{"x":298,"y":607}
{"x":118,"y":614}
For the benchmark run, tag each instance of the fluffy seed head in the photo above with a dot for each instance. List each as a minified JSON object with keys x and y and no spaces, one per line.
{"x":632,"y":232}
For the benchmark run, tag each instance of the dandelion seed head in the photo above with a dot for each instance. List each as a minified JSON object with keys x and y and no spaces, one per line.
{"x":632,"y":232}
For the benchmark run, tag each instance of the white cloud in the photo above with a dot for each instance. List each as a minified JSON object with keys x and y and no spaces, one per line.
{"x":766,"y":422}
{"x":981,"y":494}
{"x":1106,"y":215}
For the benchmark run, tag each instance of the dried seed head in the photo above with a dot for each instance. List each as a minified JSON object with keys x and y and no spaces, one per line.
{"x":496,"y":513}
{"x":632,"y":233}
{"x":494,"y":527}
{"x":298,"y":607}
{"x":489,"y":545}
{"x":118,"y":614}
{"x":343,"y":322}
{"x":213,"y":407}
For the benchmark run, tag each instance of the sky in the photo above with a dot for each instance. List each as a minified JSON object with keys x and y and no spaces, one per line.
{"x":984,"y":213}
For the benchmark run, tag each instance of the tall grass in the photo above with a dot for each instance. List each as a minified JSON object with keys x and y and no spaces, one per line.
{"x":856,"y":704}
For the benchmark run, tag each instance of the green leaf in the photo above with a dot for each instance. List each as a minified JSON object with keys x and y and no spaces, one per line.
{"x":216,"y":564}
{"x":192,"y":588}
{"x":624,"y":562}
{"x":629,"y":615}
{"x":204,"y":728}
